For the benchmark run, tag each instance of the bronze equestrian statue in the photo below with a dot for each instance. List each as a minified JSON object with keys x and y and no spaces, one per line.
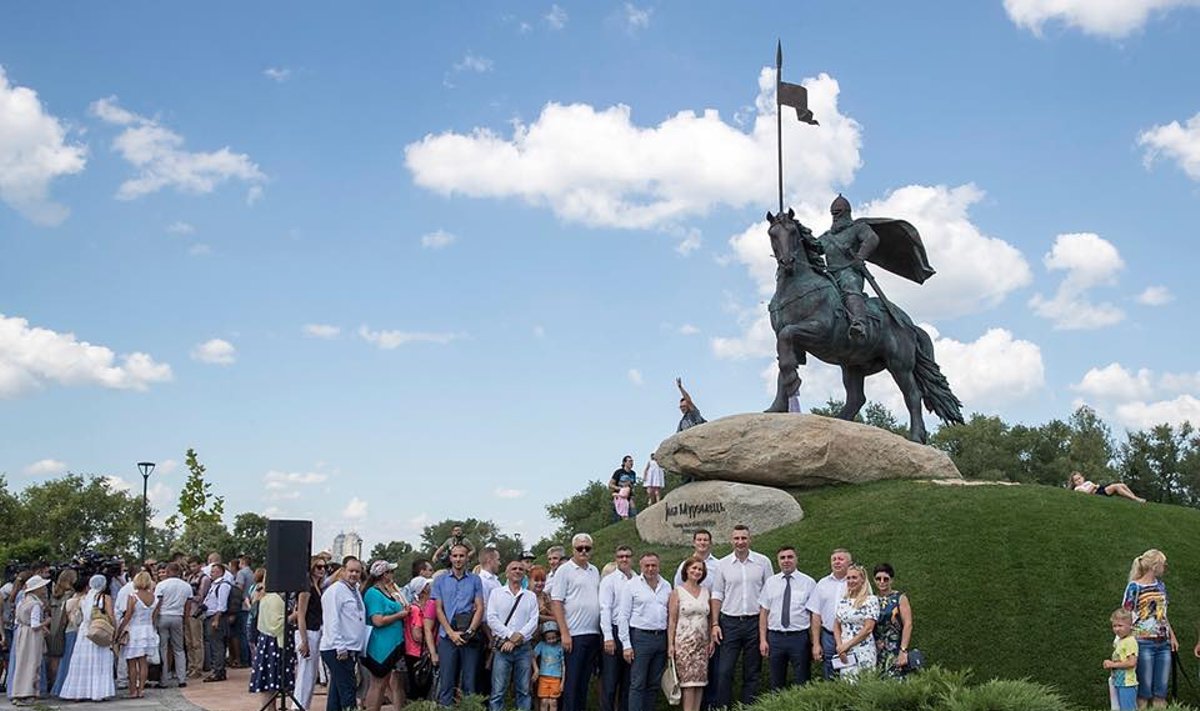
{"x":819,"y":307}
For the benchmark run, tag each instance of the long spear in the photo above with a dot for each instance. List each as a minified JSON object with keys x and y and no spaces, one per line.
{"x":786,"y":94}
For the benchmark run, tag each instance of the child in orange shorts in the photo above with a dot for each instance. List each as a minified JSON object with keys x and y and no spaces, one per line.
{"x":548,"y":667}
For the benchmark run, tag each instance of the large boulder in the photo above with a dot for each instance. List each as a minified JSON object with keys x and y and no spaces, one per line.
{"x":716,"y":506}
{"x":791,"y":450}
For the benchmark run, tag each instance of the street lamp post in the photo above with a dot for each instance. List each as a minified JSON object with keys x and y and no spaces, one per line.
{"x":145,"y":468}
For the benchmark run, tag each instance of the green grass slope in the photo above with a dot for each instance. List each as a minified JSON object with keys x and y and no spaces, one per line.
{"x":1010,"y":581}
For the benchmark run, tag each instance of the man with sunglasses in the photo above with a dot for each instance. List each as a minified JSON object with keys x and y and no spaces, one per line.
{"x":576,"y":603}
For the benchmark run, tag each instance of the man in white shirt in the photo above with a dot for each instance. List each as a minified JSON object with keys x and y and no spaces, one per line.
{"x":642,"y":622}
{"x":216,"y":622}
{"x":555,"y":555}
{"x":343,"y":634}
{"x":576,"y":604}
{"x":823,"y":606}
{"x":614,"y":670}
{"x":512,"y":617}
{"x":737,"y":585}
{"x":121,"y":606}
{"x":174,"y":605}
{"x":783,"y":621}
{"x":489,"y":566}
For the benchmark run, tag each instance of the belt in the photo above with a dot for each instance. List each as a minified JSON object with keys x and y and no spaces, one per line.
{"x":789,"y":632}
{"x":639,"y":629}
{"x":740,"y":617}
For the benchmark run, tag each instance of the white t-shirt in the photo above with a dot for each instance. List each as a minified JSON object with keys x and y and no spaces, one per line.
{"x":172,"y":593}
{"x":824,"y":599}
{"x":578,"y":589}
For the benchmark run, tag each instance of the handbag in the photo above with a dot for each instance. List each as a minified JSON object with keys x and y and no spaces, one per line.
{"x":670,"y":684}
{"x":100,"y":631}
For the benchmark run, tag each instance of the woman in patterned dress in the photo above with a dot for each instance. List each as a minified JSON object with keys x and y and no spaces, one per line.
{"x":893,"y":629}
{"x":688,"y":641}
{"x":853,"y":624}
{"x":268,"y":655}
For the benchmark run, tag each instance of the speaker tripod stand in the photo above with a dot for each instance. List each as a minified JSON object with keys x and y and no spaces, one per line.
{"x":287,"y":660}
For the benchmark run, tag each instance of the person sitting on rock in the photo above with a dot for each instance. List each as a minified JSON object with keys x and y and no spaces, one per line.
{"x":1078,"y":483}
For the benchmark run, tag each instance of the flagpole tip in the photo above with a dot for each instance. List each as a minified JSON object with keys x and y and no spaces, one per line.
{"x":778,"y":54}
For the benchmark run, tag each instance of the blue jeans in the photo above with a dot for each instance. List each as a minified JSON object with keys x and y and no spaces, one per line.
{"x":789,"y":649}
{"x":1153,"y":668}
{"x":828,"y":652}
{"x":581,"y":664}
{"x":646,"y":670}
{"x":614,"y":678}
{"x":516,"y":665}
{"x":241,"y":629}
{"x":1127,"y":698}
{"x":455,"y":661}
{"x":341,"y":681}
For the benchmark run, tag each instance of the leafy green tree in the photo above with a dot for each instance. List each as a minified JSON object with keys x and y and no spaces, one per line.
{"x":873,"y":413}
{"x":250,"y":536}
{"x":204,"y":537}
{"x":481,"y":534}
{"x":401,"y":553}
{"x":1092,"y":449}
{"x":73,"y":513}
{"x":1163,"y":464}
{"x":196,"y":500}
{"x":981,"y":448}
{"x":588,"y":510}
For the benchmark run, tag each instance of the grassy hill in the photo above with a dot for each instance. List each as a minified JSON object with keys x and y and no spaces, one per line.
{"x":1010,"y":581}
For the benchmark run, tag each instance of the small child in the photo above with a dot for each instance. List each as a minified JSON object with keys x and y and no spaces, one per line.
{"x":621,"y":501}
{"x":1123,"y":662}
{"x":548,"y":667}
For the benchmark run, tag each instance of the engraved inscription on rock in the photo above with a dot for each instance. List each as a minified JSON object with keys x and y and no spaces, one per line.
{"x":716,"y":506}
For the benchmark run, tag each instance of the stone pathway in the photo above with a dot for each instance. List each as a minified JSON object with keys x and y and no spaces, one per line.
{"x":229,"y":695}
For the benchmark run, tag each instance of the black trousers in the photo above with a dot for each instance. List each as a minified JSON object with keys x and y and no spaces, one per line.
{"x":792,"y":649}
{"x":739,"y":637}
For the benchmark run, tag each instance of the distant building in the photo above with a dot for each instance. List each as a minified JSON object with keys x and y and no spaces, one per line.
{"x":345,"y":544}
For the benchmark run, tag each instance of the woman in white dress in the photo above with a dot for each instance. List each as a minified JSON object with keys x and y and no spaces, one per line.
{"x":139,"y":622}
{"x":29,"y":640}
{"x":91,"y":672}
{"x":854,"y":623}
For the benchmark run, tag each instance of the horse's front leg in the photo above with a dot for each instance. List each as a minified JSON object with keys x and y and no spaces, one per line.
{"x":789,"y":361}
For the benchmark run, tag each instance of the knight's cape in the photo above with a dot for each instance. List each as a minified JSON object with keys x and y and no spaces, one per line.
{"x":900,"y":249}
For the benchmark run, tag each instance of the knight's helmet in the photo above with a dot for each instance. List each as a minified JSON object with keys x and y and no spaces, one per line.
{"x":840,"y":205}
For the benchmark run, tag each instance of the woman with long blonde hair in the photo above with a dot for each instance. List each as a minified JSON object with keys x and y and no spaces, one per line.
{"x":1146,"y":598}
{"x":140,"y":614}
{"x":854,"y":624}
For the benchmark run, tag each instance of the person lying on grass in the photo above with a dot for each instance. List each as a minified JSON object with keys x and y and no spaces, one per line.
{"x":1078,"y":483}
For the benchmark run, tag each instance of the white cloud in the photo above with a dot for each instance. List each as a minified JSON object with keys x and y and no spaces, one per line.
{"x":688,"y":329}
{"x":1180,"y":143}
{"x":215,"y":351}
{"x":166,"y":466}
{"x":116,"y":483}
{"x":277,"y":74}
{"x":278,"y":481}
{"x":355,"y":510}
{"x":389,"y":340}
{"x":1113,"y":381}
{"x":502,"y":493}
{"x":254,"y":194}
{"x":199,"y":250}
{"x":32,"y":356}
{"x":158,"y":155}
{"x":597,"y":167}
{"x":33,"y":152}
{"x":690,"y":243}
{"x":1155,"y":296}
{"x":1089,"y":261}
{"x":321,"y":330}
{"x":635,"y":376}
{"x":637,"y":18}
{"x":556,"y":18}
{"x":438,"y":239}
{"x":474,"y":63}
{"x":1109,"y":18}
{"x":179,"y":227}
{"x":158,"y":494}
{"x":43,"y":467}
{"x":1143,"y":398}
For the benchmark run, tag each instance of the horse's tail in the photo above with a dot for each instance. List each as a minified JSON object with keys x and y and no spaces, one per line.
{"x":935,"y":389}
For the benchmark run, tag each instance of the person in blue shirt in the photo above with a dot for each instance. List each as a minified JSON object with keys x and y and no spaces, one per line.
{"x":548,"y":667}
{"x":459,"y":598}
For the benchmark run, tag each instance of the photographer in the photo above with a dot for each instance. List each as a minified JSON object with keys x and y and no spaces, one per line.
{"x":459,"y":597}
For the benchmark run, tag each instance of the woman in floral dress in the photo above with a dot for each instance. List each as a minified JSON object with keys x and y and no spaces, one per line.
{"x":854,"y":623}
{"x":893,"y":628}
{"x":688,"y":641}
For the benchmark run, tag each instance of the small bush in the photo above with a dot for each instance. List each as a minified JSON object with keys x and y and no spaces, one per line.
{"x":1005,"y":695}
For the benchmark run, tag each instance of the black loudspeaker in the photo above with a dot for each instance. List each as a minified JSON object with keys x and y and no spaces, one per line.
{"x":289,"y":546}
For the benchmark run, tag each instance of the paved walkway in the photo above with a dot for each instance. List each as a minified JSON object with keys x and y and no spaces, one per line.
{"x":230,"y":695}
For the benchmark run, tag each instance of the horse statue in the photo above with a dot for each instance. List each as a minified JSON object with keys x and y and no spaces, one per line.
{"x":808,"y":315}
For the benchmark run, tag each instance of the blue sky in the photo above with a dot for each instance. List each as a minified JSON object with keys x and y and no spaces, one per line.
{"x":388,"y":264}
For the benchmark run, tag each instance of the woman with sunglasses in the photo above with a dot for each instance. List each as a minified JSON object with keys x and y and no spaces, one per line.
{"x":308,"y":632}
{"x":893,"y":628}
